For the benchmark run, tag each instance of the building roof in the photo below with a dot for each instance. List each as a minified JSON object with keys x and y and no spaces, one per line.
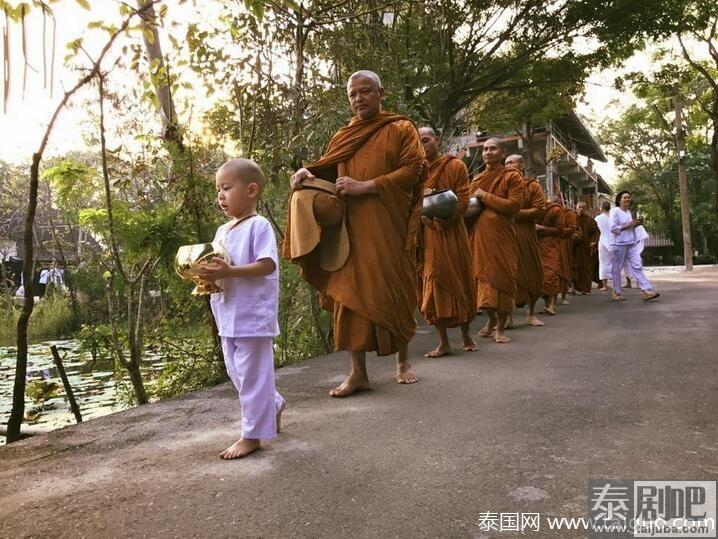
{"x":586,"y":145}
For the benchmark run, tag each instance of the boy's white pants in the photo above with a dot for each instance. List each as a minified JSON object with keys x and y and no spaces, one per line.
{"x":250,"y":365}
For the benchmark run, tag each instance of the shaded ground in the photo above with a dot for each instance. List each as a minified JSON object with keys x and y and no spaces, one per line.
{"x":604,"y":390}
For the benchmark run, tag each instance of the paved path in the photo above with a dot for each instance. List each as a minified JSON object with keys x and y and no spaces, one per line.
{"x":605,"y":390}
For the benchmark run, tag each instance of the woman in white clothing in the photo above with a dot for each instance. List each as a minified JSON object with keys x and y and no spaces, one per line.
{"x":625,"y":247}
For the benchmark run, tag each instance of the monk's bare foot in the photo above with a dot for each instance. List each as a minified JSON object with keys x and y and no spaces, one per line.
{"x":469,"y":344}
{"x":501,"y":338}
{"x":404,"y":374}
{"x":439,"y":351}
{"x":487,"y":331}
{"x":564,"y":301}
{"x":240,"y":448}
{"x":351,"y":385}
{"x":279,"y":418}
{"x":549,"y":310}
{"x":509,"y":322}
{"x":533,"y":321}
{"x":602,"y":289}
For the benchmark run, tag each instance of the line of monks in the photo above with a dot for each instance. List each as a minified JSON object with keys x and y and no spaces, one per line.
{"x":384,"y":259}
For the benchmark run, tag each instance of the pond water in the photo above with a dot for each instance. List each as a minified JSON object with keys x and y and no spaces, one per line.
{"x":97,"y":389}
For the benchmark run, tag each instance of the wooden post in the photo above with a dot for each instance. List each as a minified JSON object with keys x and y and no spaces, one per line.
{"x":683,"y":184}
{"x":66,"y":384}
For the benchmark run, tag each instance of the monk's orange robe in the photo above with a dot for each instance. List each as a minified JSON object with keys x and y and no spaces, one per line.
{"x":494,"y":249}
{"x":529,"y":285}
{"x":569,"y":229}
{"x":373,"y":296}
{"x":550,"y":247}
{"x":584,"y":253}
{"x":448,"y":292}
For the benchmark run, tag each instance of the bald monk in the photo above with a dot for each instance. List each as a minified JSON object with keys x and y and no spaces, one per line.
{"x":378,"y":167}
{"x":568,"y":236}
{"x":448,"y":296}
{"x":494,"y":249}
{"x":529,"y":284}
{"x":584,"y":249}
{"x":549,"y":231}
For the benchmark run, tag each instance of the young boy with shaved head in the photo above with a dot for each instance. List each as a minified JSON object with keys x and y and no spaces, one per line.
{"x":246,"y":309}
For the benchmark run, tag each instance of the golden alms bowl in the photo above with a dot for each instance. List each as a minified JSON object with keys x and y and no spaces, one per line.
{"x":188,"y":260}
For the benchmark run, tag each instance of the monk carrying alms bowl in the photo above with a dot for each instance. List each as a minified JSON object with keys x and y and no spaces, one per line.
{"x":190,"y":259}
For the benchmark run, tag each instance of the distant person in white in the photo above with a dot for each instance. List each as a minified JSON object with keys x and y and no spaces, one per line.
{"x":56,"y":278}
{"x":625,"y":247}
{"x":44,"y":278}
{"x":604,"y":245}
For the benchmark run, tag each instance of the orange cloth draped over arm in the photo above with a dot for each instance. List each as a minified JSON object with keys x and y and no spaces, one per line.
{"x":529,"y":285}
{"x":448,"y":292}
{"x":549,"y":248}
{"x":494,"y":249}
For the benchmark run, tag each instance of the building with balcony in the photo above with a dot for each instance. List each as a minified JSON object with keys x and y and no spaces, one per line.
{"x":560,"y":155}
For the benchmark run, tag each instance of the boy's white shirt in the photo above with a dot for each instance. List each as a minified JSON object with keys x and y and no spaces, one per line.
{"x":248,"y":306}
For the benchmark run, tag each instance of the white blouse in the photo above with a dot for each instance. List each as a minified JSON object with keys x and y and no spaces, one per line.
{"x":618,"y":218}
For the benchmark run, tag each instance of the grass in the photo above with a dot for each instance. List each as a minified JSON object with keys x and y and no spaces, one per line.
{"x":51,"y":319}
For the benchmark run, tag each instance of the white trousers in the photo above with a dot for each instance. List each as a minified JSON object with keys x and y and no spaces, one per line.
{"x":631,"y":256}
{"x":605,"y":268}
{"x":627,"y":268}
{"x":250,"y":365}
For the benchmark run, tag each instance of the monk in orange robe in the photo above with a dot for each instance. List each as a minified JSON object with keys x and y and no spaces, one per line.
{"x":493,"y":244}
{"x":447,"y":294}
{"x":377,"y":164}
{"x":549,"y":231}
{"x":584,"y":249}
{"x":568,"y":236}
{"x":529,"y":285}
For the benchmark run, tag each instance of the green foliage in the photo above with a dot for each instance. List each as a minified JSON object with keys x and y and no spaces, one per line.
{"x":41,"y":390}
{"x":52,"y":319}
{"x":643,"y":149}
{"x":74,"y":183}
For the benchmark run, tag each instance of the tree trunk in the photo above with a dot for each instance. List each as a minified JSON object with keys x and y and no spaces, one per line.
{"x":683,"y":185}
{"x":18,"y":396}
{"x":137,"y":383}
{"x":714,"y":149}
{"x":158,"y":73}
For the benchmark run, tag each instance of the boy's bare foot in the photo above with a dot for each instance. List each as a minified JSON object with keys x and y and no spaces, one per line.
{"x":240,"y":448}
{"x":469,"y":344}
{"x":533,"y":321}
{"x":564,"y":301}
{"x":501,"y":338}
{"x":549,"y":310}
{"x":351,"y":385}
{"x":279,"y":418}
{"x":405,"y":374}
{"x":439,"y":351}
